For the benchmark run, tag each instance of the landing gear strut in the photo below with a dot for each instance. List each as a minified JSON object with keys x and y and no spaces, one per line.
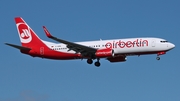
{"x":97,"y":63}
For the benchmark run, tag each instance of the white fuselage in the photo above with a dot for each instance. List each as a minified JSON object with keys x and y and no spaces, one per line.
{"x":121,"y":46}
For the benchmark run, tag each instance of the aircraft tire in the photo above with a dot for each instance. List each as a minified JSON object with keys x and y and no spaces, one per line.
{"x":158,"y":58}
{"x":97,"y":64}
{"x":89,"y":61}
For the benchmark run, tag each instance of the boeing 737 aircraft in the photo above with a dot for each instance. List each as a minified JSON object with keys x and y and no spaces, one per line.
{"x":115,"y":50}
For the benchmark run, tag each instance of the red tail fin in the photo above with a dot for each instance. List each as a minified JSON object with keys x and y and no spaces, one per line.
{"x":27,"y":36}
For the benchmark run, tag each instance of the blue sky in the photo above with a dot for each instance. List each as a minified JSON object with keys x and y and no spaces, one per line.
{"x":23,"y":78}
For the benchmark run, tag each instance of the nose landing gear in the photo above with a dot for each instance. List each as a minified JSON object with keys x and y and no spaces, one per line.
{"x":158,"y":58}
{"x":160,"y":53}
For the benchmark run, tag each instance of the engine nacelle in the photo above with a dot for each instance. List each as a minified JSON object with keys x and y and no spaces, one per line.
{"x":104,"y":53}
{"x":117,"y":59}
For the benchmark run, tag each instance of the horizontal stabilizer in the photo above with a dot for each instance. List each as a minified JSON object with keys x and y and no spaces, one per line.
{"x":18,"y":47}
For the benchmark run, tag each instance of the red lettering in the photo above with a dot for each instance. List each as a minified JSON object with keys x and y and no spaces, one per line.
{"x":116,"y":44}
{"x":144,"y":42}
{"x":128,"y":44}
{"x":140,"y":42}
{"x":113,"y":44}
{"x":137,"y":43}
{"x":108,"y":45}
{"x":121,"y":44}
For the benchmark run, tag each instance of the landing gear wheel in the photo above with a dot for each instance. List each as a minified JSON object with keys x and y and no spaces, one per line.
{"x":97,"y":64}
{"x":158,"y":58}
{"x":89,"y":61}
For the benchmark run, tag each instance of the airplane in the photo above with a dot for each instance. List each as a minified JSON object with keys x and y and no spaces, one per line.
{"x":114,"y":50}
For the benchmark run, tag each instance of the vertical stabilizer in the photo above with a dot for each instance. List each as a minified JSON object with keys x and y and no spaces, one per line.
{"x":27,"y":36}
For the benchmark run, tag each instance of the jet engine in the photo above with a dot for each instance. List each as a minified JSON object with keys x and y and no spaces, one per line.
{"x":104,"y":53}
{"x":117,"y":59}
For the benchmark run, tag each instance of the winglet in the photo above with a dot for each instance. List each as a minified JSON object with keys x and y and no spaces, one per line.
{"x":47,"y":32}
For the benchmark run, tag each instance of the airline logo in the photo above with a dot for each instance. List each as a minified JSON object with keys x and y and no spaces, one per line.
{"x":24,"y":33}
{"x":127,"y":44}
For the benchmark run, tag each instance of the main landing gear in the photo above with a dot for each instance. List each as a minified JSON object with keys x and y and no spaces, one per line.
{"x":89,"y":61}
{"x":97,"y":63}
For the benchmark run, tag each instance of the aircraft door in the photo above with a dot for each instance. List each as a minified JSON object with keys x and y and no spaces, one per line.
{"x":42,"y":51}
{"x":153,"y":43}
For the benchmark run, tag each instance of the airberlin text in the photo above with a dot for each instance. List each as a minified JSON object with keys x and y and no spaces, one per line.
{"x":127,"y":44}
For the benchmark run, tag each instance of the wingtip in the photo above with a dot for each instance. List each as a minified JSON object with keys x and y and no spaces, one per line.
{"x":44,"y":27}
{"x":6,"y":43}
{"x":47,"y":32}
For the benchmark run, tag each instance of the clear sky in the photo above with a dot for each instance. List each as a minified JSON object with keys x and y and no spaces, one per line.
{"x":23,"y":78}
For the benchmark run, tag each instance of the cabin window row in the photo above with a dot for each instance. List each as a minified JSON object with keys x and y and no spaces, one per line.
{"x":58,"y":48}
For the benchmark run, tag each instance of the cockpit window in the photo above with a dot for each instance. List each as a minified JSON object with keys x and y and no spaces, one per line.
{"x":163,"y":41}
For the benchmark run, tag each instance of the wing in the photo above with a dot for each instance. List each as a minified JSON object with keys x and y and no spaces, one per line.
{"x":78,"y":48}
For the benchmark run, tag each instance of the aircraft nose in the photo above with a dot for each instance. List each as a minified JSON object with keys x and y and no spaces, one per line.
{"x":172,"y":45}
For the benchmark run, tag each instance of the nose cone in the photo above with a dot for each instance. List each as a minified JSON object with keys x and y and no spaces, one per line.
{"x":172,"y":45}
